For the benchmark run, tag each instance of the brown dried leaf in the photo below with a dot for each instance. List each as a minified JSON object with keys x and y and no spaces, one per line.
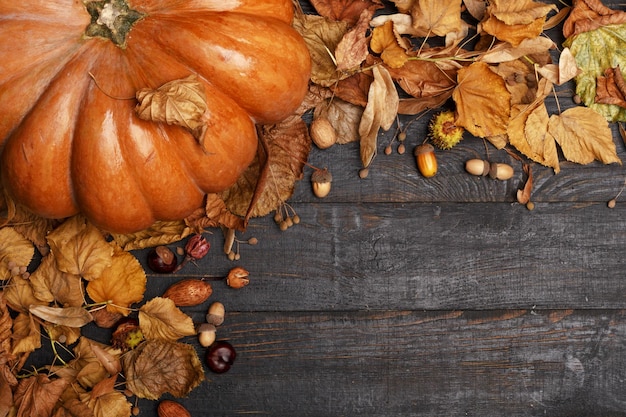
{"x":424,"y":79}
{"x":413,"y":106}
{"x":514,"y":21}
{"x":37,"y":395}
{"x":107,"y":403}
{"x":353,"y":47}
{"x":33,"y":228}
{"x":79,"y":248}
{"x":436,"y":17}
{"x":321,"y":37}
{"x":218,"y":214}
{"x":179,"y":370}
{"x":15,"y":248}
{"x":391,"y":47}
{"x":49,"y":284}
{"x":20,"y":296}
{"x":483,"y":103}
{"x":610,"y":88}
{"x":110,"y":361}
{"x":344,"y":117}
{"x":271,"y":178}
{"x":26,"y":334}
{"x":476,"y":8}
{"x":160,"y":233}
{"x":504,"y":52}
{"x":345,"y":10}
{"x":70,"y":334}
{"x":91,"y":365}
{"x":524,"y":194}
{"x":64,"y":316}
{"x":160,"y":319}
{"x":121,"y":284}
{"x":179,"y":102}
{"x":588,"y":15}
{"x":353,"y":89}
{"x":584,"y":135}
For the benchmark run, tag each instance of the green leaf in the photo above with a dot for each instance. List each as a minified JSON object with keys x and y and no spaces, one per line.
{"x":595,"y":51}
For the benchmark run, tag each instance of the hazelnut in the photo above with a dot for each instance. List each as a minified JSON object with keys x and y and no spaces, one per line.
{"x":323,"y":133}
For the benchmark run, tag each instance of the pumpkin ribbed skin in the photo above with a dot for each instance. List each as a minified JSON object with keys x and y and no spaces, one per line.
{"x":70,"y":139}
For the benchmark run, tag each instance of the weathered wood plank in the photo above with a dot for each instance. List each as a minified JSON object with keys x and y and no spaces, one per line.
{"x":428,"y":256}
{"x":411,"y":363}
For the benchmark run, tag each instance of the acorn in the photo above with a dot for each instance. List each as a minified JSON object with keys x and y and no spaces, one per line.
{"x":444,"y":132}
{"x":426,"y":159}
{"x":321,"y":181}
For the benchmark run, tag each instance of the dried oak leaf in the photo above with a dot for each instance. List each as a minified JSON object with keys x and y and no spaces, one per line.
{"x":270,"y":180}
{"x":321,"y":37}
{"x":160,"y":319}
{"x":50,"y":284}
{"x":611,"y":88}
{"x":393,"y":48}
{"x":343,"y":116}
{"x":37,"y":395}
{"x":160,"y":233}
{"x":353,"y":47}
{"x":345,"y":10}
{"x":180,"y":102}
{"x":436,"y":17}
{"x":26,"y":334}
{"x":79,"y":248}
{"x":380,"y":113}
{"x":121,"y":284}
{"x":583,"y":135}
{"x":514,"y":21}
{"x":482,"y":101}
{"x":157,"y":367}
{"x":15,"y":249}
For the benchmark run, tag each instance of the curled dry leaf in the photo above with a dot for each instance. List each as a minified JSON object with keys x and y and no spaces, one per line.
{"x":380,"y":112}
{"x":121,"y":284}
{"x":50,"y":284}
{"x":393,"y":48}
{"x":15,"y":250}
{"x":161,"y":233}
{"x":37,"y":395}
{"x":160,"y":319}
{"x":179,"y":102}
{"x":179,"y":370}
{"x":353,"y":47}
{"x":611,"y":88}
{"x":20,"y":295}
{"x":64,"y":316}
{"x":79,"y":248}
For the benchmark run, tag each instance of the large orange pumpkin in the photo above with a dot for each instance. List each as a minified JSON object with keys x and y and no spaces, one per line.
{"x":71,"y":141}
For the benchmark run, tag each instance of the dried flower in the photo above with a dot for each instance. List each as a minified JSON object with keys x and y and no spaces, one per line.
{"x":196,"y":248}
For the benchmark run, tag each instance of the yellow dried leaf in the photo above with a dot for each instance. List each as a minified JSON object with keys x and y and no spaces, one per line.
{"x":179,"y":102}
{"x":178,"y":372}
{"x":79,"y":248}
{"x":107,"y":404}
{"x":436,"y":17}
{"x":343,"y":116}
{"x":70,"y":334}
{"x":19,"y":295}
{"x":391,"y":47}
{"x":160,"y":233}
{"x":504,"y":52}
{"x":584,"y":135}
{"x":514,"y":21}
{"x":380,"y":112}
{"x":160,"y":319}
{"x":91,"y":364}
{"x":121,"y":284}
{"x":483,"y":103}
{"x":15,"y":251}
{"x":64,"y":316}
{"x":6,"y":324}
{"x":50,"y":284}
{"x":26,"y":334}
{"x":528,"y":133}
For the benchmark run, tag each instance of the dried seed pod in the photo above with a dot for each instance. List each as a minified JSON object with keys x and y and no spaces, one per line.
{"x":323,"y":133}
{"x":189,"y":292}
{"x":426,"y":159}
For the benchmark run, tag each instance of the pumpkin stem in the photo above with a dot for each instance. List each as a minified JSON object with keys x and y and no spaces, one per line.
{"x":111,"y":19}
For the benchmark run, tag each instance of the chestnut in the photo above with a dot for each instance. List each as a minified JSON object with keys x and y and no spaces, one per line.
{"x":220,"y":356}
{"x":162,"y":260}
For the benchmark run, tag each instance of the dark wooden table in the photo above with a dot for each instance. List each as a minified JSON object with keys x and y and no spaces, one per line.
{"x":403,"y":296}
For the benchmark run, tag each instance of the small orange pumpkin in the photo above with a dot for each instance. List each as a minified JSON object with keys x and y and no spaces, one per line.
{"x":70,"y":139}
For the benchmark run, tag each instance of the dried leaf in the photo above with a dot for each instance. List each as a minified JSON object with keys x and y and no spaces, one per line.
{"x":19,"y":295}
{"x":321,"y":37}
{"x":37,"y":395}
{"x":482,"y":101}
{"x":436,"y":17}
{"x":611,"y":88}
{"x":425,"y":79}
{"x":160,"y":319}
{"x":14,"y":249}
{"x":589,"y":15}
{"x":160,"y":233}
{"x":514,"y":21}
{"x":108,"y":404}
{"x":91,"y":364}
{"x":179,"y":102}
{"x":33,"y":228}
{"x":69,"y":335}
{"x":476,"y":8}
{"x":504,"y":52}
{"x":380,"y":112}
{"x":6,"y":324}
{"x":271,"y":178}
{"x":26,"y":334}
{"x":353,"y":89}
{"x":178,"y":372}
{"x":50,"y":284}
{"x":79,"y":248}
{"x":121,"y":284}
{"x":584,"y":135}
{"x":110,"y":361}
{"x":353,"y":47}
{"x":64,"y":316}
{"x":218,"y":214}
{"x":344,"y":117}
{"x":345,"y":10}
{"x":391,"y":47}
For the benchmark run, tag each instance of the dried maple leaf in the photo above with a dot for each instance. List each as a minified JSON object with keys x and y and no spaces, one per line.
{"x":160,"y":319}
{"x":119,"y":285}
{"x":179,"y":102}
{"x":50,"y":284}
{"x":37,"y":395}
{"x":583,"y":135}
{"x":482,"y":101}
{"x":353,"y":47}
{"x":514,"y":21}
{"x":436,"y":17}
{"x":271,"y":178}
{"x":160,"y":233}
{"x":321,"y":37}
{"x":345,"y":10}
{"x":26,"y":334}
{"x":64,"y":316}
{"x":343,"y":116}
{"x":79,"y":248}
{"x":380,"y":113}
{"x":391,"y":47}
{"x":15,"y":251}
{"x":157,"y":367}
